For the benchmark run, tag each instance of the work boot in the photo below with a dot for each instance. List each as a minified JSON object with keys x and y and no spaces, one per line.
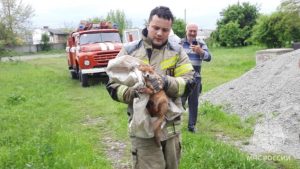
{"x":192,"y":129}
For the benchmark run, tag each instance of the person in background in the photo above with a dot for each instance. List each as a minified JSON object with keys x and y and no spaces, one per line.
{"x":172,"y":63}
{"x":197,"y":51}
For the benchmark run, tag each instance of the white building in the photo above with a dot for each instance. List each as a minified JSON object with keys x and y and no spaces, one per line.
{"x":204,"y":33}
{"x":55,"y":35}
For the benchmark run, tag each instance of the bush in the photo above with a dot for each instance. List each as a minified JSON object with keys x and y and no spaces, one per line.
{"x":277,"y":30}
{"x":234,"y":28}
{"x":230,"y":34}
{"x":45,"y":42}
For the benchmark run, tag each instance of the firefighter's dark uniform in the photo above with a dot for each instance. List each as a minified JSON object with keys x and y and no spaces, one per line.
{"x":173,"y":63}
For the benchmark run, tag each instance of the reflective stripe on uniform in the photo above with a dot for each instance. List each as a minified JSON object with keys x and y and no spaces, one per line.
{"x":183,"y":69}
{"x":120,"y":92}
{"x":181,"y":85}
{"x":146,"y":61}
{"x":171,"y":62}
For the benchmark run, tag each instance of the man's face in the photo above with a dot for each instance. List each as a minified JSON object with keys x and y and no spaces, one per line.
{"x":159,"y":30}
{"x":191,"y":32}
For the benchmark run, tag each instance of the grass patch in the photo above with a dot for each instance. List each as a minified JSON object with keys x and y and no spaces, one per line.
{"x":4,"y":53}
{"x":214,"y":120}
{"x":52,"y":51}
{"x":227,"y":64}
{"x":281,"y":161}
{"x":41,"y":127}
{"x":201,"y":151}
{"x":210,"y":146}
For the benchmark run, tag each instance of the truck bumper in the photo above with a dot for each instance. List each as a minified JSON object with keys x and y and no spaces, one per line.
{"x":94,"y":70}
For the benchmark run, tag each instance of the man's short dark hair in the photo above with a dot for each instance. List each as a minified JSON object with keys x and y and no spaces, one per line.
{"x":161,"y":12}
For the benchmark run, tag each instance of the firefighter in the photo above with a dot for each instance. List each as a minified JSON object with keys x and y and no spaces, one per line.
{"x":172,"y":63}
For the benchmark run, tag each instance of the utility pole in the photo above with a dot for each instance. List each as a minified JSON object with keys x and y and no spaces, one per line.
{"x":185,"y":15}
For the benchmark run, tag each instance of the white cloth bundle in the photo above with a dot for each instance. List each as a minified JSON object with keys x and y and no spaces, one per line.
{"x":124,"y":70}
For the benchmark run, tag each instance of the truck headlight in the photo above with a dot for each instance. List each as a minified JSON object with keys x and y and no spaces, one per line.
{"x":86,"y":62}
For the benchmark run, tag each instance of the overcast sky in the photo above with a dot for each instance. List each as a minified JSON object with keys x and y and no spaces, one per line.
{"x":61,"y":13}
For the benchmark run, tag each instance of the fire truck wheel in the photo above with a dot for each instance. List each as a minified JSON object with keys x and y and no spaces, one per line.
{"x":74,"y":75}
{"x":83,"y":78}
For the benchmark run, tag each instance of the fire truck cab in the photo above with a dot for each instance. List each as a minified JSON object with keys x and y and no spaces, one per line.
{"x":90,"y":48}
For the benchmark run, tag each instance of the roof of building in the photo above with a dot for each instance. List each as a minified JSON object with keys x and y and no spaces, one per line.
{"x":58,"y":31}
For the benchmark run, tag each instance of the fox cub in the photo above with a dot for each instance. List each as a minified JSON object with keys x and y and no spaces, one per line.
{"x":157,"y":105}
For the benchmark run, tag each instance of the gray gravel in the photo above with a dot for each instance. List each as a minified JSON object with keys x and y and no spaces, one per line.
{"x":270,"y":91}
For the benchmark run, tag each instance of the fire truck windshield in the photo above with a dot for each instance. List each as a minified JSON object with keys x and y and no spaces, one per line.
{"x":99,"y":38}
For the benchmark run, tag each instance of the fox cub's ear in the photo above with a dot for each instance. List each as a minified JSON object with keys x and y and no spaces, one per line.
{"x":151,"y":69}
{"x":143,"y":68}
{"x":146,"y":68}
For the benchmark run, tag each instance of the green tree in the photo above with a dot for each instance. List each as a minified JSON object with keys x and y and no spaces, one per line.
{"x":3,"y":35}
{"x":96,"y":19}
{"x":231,"y":34}
{"x":281,"y":28}
{"x":242,"y":18}
{"x":291,"y":10}
{"x":118,"y":17}
{"x":45,"y":42}
{"x":15,"y":16}
{"x":179,"y":27}
{"x":290,"y":6}
{"x":277,"y":30}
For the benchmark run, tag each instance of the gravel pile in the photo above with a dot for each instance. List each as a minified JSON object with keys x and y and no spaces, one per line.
{"x":270,"y":91}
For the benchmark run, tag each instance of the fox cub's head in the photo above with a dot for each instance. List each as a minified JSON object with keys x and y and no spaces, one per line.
{"x":147,"y":70}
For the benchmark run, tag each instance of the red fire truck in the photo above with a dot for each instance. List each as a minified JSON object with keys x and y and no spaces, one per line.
{"x":90,"y":48}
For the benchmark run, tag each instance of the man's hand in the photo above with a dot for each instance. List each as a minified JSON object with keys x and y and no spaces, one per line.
{"x":154,"y":82}
{"x":197,"y":49}
{"x":130,"y":94}
{"x":145,"y":90}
